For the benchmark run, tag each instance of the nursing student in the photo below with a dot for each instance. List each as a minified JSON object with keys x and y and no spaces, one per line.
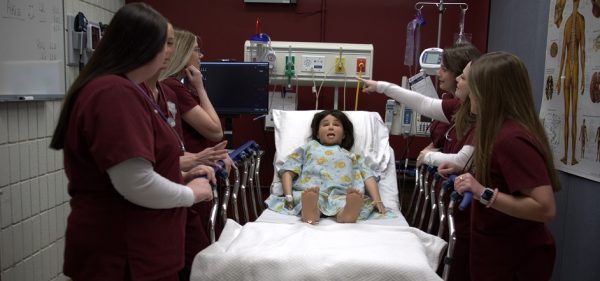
{"x":450,"y":131}
{"x":513,"y":179}
{"x":201,"y":125}
{"x":454,"y":141}
{"x":192,"y":164}
{"x":122,"y":160}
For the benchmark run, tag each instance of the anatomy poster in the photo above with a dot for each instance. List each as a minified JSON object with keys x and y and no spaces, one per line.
{"x":570,"y":108}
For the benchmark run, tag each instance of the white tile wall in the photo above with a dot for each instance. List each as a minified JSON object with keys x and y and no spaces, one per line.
{"x":4,"y":165}
{"x":33,"y":187}
{"x":3,"y":123}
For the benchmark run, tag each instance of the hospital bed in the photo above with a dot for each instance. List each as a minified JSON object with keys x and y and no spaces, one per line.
{"x":281,"y":247}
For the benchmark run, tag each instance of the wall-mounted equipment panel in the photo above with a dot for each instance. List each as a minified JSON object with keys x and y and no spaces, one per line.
{"x":305,"y":63}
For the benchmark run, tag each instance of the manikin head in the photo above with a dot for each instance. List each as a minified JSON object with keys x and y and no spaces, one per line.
{"x":331,"y":127}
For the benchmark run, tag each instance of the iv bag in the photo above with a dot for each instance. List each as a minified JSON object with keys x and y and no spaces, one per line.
{"x":409,"y":51}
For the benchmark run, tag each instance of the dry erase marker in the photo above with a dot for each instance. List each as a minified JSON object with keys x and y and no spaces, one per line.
{"x":26,"y":98}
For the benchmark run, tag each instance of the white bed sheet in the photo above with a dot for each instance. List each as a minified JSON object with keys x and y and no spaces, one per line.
{"x":281,"y":247}
{"x":328,"y":251}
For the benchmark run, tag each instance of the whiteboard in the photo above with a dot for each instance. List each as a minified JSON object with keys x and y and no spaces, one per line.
{"x":32,"y":51}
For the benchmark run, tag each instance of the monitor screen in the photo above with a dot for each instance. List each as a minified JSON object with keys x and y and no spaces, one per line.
{"x":237,"y":87}
{"x":432,"y":58}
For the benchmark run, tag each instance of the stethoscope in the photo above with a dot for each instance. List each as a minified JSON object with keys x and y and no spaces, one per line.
{"x":167,"y":118}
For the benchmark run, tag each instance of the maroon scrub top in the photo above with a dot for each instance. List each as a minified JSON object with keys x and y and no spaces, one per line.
{"x":504,"y":247}
{"x":437,"y":128}
{"x":187,"y":99}
{"x":108,"y":237}
{"x":197,"y":237}
{"x":459,"y":270}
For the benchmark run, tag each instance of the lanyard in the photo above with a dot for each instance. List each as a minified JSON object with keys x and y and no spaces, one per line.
{"x":170,"y":121}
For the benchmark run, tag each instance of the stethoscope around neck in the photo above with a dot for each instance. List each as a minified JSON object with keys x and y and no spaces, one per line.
{"x":169,"y":120}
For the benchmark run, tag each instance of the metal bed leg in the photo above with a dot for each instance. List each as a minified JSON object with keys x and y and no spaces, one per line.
{"x":251,"y":182}
{"x":235,"y":192}
{"x":433,"y":201}
{"x":225,"y":201}
{"x":442,"y":209}
{"x":419,"y":195}
{"x":451,"y":241}
{"x":413,"y":196}
{"x":426,"y":199}
{"x":213,"y":213}
{"x":257,"y":180}
{"x":243,"y":189}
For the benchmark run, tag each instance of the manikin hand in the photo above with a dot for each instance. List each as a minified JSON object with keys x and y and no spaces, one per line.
{"x":380,"y":207}
{"x":289,"y":204}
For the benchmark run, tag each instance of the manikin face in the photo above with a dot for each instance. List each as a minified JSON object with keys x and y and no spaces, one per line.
{"x":558,"y":12}
{"x":462,"y":84}
{"x":447,"y":79}
{"x":331,"y":131}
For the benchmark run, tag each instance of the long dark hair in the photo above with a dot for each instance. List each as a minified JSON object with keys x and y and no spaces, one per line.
{"x":135,"y":35}
{"x":348,"y":140}
{"x":500,"y":84}
{"x":455,"y":58}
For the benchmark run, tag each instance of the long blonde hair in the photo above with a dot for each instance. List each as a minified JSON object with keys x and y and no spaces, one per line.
{"x":500,"y":84}
{"x":185,"y":42}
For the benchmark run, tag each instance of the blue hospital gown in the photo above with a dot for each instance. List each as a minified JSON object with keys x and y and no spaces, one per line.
{"x":333,"y":169}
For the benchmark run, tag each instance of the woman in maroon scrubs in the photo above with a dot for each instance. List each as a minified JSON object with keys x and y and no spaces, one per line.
{"x":201,"y":125}
{"x":122,"y":160}
{"x":514,"y":176}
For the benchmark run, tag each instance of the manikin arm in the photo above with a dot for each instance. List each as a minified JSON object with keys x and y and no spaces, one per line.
{"x":373,"y":190}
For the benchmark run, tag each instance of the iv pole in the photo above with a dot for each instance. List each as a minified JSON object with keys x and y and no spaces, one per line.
{"x":440,"y":5}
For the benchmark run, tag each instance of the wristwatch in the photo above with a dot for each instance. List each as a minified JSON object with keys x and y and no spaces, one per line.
{"x":289,"y":198}
{"x":486,"y":196}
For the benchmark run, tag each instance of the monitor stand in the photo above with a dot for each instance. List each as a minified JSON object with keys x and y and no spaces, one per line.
{"x":228,"y":130}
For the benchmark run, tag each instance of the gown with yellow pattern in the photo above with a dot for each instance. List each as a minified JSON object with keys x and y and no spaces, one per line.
{"x":331,"y":168}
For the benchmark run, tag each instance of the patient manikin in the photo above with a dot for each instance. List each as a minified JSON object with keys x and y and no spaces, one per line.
{"x":323,"y":177}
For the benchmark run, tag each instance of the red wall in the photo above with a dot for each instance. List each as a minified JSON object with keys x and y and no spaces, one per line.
{"x":224,"y":25}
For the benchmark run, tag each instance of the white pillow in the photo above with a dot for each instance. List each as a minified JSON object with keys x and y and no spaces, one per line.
{"x":292,"y":129}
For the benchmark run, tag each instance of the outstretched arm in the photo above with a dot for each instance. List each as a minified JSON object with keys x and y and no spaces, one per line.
{"x":425,"y":105}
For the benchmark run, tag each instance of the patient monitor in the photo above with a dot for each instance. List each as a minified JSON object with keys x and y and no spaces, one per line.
{"x":431,"y":60}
